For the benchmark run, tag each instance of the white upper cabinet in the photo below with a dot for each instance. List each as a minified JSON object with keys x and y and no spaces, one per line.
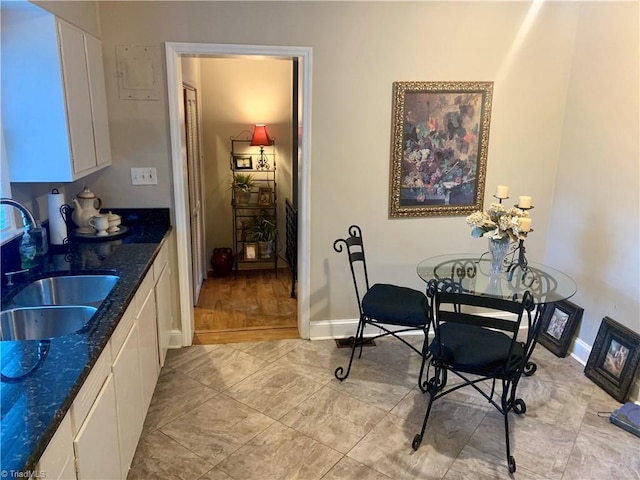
{"x":54,"y":107}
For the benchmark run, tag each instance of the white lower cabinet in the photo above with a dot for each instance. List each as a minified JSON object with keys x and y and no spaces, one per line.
{"x":96,"y":444}
{"x":126,"y":375}
{"x":58,"y":460}
{"x":99,"y":435}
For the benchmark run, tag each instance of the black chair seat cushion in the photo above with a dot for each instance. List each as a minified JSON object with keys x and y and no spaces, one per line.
{"x":395,"y":305}
{"x":474,"y":349}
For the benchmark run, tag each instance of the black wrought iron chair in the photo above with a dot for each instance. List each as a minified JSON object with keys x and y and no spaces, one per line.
{"x":391,"y":308}
{"x":477,"y":348}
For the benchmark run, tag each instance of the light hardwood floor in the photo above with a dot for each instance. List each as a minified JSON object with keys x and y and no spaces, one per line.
{"x":249,"y":306}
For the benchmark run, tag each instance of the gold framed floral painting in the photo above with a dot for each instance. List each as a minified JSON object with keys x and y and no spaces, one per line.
{"x":440,"y":138}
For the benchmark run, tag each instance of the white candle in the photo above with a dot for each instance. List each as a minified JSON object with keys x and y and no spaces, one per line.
{"x":525,"y":224}
{"x":525,"y":202}
{"x":502,"y":191}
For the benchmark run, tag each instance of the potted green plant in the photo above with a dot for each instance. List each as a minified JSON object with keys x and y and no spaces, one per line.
{"x":241,"y":185}
{"x":262,"y":229}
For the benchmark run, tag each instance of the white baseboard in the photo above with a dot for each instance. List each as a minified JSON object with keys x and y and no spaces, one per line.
{"x":332,"y":329}
{"x":580,"y":351}
{"x":175,"y":341}
{"x":634,"y":393}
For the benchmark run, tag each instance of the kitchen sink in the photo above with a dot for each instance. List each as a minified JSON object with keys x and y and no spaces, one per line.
{"x":40,"y":323}
{"x":66,"y":290}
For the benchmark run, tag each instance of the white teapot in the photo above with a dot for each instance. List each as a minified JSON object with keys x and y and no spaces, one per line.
{"x":85,"y":206}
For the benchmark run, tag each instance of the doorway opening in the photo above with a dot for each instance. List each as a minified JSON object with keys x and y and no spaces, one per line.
{"x":174,"y":54}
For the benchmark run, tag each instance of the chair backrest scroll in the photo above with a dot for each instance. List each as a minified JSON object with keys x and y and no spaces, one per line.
{"x":354,"y":248}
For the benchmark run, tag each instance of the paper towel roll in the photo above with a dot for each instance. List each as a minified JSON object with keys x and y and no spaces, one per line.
{"x":57,"y":225}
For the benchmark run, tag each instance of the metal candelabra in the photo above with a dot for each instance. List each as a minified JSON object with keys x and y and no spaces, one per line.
{"x":520,"y":250}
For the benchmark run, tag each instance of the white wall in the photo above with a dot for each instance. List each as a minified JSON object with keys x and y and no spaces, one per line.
{"x":594,"y":234}
{"x":547,"y":114}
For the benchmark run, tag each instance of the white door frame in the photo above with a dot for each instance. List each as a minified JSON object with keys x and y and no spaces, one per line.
{"x":173,"y":52}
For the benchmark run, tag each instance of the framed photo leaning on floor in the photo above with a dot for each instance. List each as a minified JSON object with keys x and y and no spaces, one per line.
{"x":614,"y":359}
{"x":559,"y":323}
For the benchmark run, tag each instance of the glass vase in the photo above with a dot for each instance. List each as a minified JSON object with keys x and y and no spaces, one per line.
{"x":498,"y":250}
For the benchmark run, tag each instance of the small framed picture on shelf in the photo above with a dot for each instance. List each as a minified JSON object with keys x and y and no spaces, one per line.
{"x":559,"y":323}
{"x":242,"y":162}
{"x":250,"y":251}
{"x":614,"y":359}
{"x":265,"y":197}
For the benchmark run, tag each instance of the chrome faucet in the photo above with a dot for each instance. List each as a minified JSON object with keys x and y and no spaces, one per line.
{"x":27,"y":217}
{"x":28,"y":221}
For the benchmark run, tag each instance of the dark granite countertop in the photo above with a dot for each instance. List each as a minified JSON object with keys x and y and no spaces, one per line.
{"x":33,"y":407}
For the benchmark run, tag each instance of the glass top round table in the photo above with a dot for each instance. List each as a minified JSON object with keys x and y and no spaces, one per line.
{"x":471,"y":273}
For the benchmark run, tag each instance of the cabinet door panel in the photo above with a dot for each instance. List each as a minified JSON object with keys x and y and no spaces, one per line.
{"x":57,"y":460}
{"x":96,"y":445}
{"x":148,"y":348}
{"x":164,"y":309}
{"x":76,"y":83}
{"x":126,"y":376}
{"x":98,"y":94}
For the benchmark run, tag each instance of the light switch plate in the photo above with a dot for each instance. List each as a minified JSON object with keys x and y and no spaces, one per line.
{"x":144,"y":176}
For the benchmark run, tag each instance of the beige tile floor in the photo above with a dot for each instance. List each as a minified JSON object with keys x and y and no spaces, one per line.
{"x":273,"y":410}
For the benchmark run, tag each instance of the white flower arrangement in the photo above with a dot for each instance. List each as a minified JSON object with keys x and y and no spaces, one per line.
{"x":499,"y":223}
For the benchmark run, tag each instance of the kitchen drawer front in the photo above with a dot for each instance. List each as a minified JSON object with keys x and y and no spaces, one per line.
{"x":121,"y":332}
{"x":89,"y":391}
{"x":143,"y":291}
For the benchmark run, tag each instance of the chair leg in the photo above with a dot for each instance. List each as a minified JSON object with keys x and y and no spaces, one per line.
{"x":434,"y":385}
{"x":511,"y":461}
{"x":426,"y":356}
{"x":357,"y":339}
{"x":360,"y":338}
{"x":417,"y":440}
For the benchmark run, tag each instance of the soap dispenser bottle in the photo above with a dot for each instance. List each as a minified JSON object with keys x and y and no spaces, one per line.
{"x":27,"y":250}
{"x":39,"y":237}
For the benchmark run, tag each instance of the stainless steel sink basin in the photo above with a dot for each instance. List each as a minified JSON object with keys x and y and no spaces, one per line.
{"x":39,"y":323}
{"x":66,"y":290}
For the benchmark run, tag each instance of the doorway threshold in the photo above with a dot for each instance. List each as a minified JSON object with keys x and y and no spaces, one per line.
{"x":242,"y":336}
